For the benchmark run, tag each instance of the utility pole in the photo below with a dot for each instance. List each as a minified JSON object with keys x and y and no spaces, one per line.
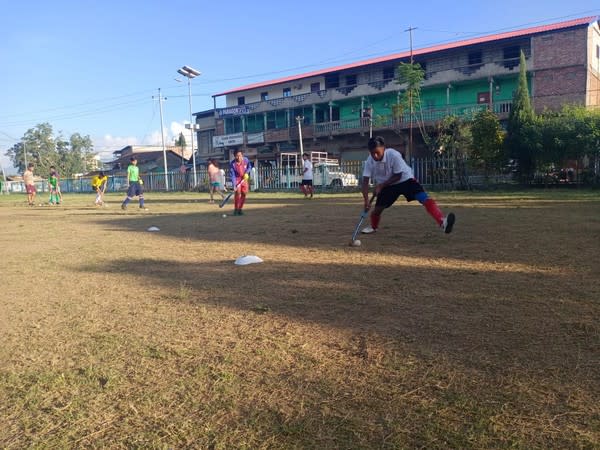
{"x":300,"y":119}
{"x":162,"y":136}
{"x":410,"y":98}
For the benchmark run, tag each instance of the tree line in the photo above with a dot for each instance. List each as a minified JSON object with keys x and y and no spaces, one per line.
{"x":44,"y":148}
{"x":528,"y":145}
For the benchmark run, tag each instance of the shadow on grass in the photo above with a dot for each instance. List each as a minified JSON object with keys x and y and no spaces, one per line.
{"x":501,"y":322}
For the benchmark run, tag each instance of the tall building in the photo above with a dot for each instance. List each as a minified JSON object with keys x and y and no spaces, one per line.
{"x":337,"y":107}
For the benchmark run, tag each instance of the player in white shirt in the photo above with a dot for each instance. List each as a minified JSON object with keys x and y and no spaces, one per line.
{"x":392,"y":178}
{"x":307,"y":177}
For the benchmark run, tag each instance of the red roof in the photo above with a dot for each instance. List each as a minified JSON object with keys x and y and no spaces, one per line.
{"x":423,"y":51}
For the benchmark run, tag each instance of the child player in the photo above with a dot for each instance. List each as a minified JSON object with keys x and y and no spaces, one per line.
{"x":392,"y":178}
{"x":53,"y":169}
{"x":214,"y":176}
{"x":99,"y":183}
{"x":29,"y":184}
{"x":53,"y":187}
{"x":307,"y":177}
{"x":135,"y":184}
{"x":239,"y":170}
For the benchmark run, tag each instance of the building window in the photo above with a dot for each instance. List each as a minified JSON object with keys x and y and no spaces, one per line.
{"x":233,"y":125}
{"x":287,"y":92}
{"x":276,"y":120}
{"x":351,"y":80}
{"x":264,"y":96}
{"x":475,"y":58}
{"x":332,"y":81}
{"x":511,"y":56}
{"x":315,"y":87}
{"x":389,"y":73}
{"x":255,"y":123}
{"x":424,"y":67}
{"x":241,"y":100}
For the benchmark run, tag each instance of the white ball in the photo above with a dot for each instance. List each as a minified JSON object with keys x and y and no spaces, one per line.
{"x":40,"y":204}
{"x":357,"y":243}
{"x":224,"y":215}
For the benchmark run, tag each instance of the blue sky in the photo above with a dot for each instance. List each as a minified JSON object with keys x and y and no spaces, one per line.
{"x":93,"y":66}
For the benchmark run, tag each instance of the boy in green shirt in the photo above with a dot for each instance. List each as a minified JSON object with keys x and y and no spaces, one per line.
{"x":135,"y":184}
{"x":53,"y":187}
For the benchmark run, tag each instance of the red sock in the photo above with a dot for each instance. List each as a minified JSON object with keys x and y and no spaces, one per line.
{"x":242,"y":200}
{"x":237,"y":200}
{"x":375,"y":221}
{"x":433,"y":210}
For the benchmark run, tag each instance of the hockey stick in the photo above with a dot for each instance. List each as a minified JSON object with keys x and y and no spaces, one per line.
{"x":226,"y":199}
{"x":363,"y":216}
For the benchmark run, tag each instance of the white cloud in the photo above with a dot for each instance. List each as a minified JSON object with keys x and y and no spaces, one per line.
{"x":177,"y":128}
{"x":107,"y":144}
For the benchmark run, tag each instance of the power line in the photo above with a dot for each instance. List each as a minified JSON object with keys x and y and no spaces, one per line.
{"x":337,"y":59}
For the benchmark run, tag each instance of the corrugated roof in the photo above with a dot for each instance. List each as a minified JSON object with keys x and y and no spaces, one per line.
{"x":437,"y":48}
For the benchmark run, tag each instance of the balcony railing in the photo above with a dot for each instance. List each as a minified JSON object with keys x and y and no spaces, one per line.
{"x":396,"y":121}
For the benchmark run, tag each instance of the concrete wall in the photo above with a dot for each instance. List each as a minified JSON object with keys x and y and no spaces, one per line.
{"x":559,"y":64}
{"x":593,"y":86}
{"x":276,"y":91}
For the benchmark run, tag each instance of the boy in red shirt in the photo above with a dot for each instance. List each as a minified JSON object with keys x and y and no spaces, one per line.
{"x":239,"y":170}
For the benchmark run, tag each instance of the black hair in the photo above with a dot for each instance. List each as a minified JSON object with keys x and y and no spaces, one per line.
{"x":376,"y":142}
{"x":101,"y":174}
{"x":133,"y":158}
{"x":306,"y":154}
{"x":239,"y":150}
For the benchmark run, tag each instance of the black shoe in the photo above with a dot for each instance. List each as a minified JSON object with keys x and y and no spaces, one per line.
{"x":448,"y":223}
{"x":123,"y":207}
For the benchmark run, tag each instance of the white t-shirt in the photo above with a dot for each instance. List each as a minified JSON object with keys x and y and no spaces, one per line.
{"x":391,"y":164}
{"x":308,"y":167}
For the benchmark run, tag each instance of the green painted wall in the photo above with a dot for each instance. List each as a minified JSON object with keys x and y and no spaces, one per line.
{"x":431,"y":98}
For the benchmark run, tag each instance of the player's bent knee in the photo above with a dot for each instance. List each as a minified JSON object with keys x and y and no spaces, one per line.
{"x":421,"y":197}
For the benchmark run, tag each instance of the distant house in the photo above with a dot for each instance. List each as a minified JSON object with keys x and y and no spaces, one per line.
{"x":150,"y":159}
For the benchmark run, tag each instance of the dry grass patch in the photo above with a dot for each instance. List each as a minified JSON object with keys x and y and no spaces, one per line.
{"x":116,"y":337}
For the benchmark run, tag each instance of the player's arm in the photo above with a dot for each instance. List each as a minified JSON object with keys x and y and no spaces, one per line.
{"x":233,"y":176}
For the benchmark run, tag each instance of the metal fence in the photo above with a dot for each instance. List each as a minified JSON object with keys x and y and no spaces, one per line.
{"x":439,"y":172}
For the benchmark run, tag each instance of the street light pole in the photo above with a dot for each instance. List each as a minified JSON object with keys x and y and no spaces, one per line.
{"x":162,"y":136}
{"x":190,"y":73}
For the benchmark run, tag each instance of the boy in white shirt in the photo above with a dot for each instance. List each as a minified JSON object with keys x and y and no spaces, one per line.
{"x":392,"y":178}
{"x":307,"y":177}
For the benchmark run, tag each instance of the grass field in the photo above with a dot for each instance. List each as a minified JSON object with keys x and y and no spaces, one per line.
{"x":111,"y":336}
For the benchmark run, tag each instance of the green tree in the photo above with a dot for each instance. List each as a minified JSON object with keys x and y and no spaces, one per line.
{"x":522,"y":137}
{"x":487,"y":147}
{"x":180,"y":141}
{"x":453,"y":137}
{"x":44,"y":149}
{"x":410,"y":76}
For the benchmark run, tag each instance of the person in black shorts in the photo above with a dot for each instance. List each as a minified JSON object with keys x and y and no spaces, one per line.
{"x":307,"y":176}
{"x":392,"y":178}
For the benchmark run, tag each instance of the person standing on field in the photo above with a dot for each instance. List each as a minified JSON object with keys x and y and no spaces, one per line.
{"x":392,"y":178}
{"x":307,"y":177}
{"x":214,"y":178}
{"x":29,"y":184}
{"x":53,"y":187}
{"x":58,"y":192}
{"x":99,"y":183}
{"x":239,"y":171}
{"x":135,"y":184}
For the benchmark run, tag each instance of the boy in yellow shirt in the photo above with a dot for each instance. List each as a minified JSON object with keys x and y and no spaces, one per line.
{"x":99,"y":183}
